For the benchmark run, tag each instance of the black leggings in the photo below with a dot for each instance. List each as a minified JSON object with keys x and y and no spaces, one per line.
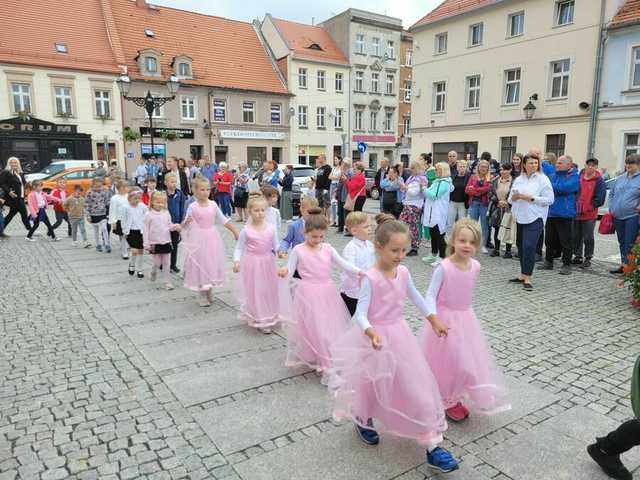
{"x":17,"y":206}
{"x":41,"y":217}
{"x":496,"y":242}
{"x":623,"y":438}
{"x":175,"y":239}
{"x":438,"y":243}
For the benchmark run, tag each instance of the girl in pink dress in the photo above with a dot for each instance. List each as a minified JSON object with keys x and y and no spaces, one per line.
{"x":156,"y":235}
{"x":204,"y":261}
{"x":378,"y":371}
{"x":254,"y":258}
{"x":318,"y":314}
{"x":461,"y":361}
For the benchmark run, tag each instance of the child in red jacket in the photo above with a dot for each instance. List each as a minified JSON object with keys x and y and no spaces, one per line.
{"x":58,"y":208}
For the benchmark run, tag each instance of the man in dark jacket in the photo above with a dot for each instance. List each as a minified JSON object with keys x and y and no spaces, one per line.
{"x":590,"y":197}
{"x":562,"y":213}
{"x":494,"y":166}
{"x":181,"y":177}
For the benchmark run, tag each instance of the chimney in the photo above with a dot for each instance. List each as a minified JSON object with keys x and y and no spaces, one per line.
{"x":141,"y":3}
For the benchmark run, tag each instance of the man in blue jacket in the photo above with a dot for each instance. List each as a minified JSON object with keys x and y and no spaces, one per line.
{"x":624,"y":205}
{"x":559,"y":229}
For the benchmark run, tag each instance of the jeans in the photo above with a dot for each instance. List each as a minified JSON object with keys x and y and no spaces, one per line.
{"x":341,"y":216}
{"x":17,"y":205}
{"x":62,"y":217}
{"x":528,"y":235}
{"x":478,"y":212}
{"x":583,"y":236}
{"x":457,"y":210}
{"x":627,"y":231}
{"x":559,"y":238}
{"x":438,"y":243}
{"x":622,"y":439}
{"x":223,"y":199}
{"x":78,"y":223}
{"x":41,"y":217}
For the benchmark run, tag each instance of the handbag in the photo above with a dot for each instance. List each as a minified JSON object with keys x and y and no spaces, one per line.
{"x":606,"y":226}
{"x":505,"y":233}
{"x":350,"y":202}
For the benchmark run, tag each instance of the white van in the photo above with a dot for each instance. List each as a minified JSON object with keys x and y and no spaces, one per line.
{"x":58,"y":166}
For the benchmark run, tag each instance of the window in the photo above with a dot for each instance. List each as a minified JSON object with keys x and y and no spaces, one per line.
{"x":408,"y":57}
{"x":320,"y":113}
{"x":184,"y":69}
{"x":375,"y":47}
{"x":63,"y":100}
{"x":475,"y":34}
{"x":508,"y":146}
{"x":302,"y":77}
{"x":388,"y":120}
{"x":391,"y":49}
{"x":359,"y":43}
{"x":149,"y":33}
{"x":407,"y":91}
{"x":473,"y":93}
{"x":338,"y":82}
{"x":373,"y":124}
{"x":321,"y":79}
{"x":219,"y":110}
{"x":103,"y":103}
{"x":188,"y":107}
{"x":406,"y":126}
{"x":337,"y":121}
{"x":359,"y":86}
{"x":248,"y":112}
{"x":439,"y":96}
{"x":21,"y":93}
{"x":302,"y":116}
{"x":151,"y":64}
{"x":512,"y":86}
{"x":359,"y":120}
{"x":555,"y":144}
{"x":564,"y":12}
{"x":375,"y":82}
{"x":516,"y":24}
{"x":62,"y":48}
{"x":441,"y":43}
{"x":631,"y":144}
{"x":390,"y":85}
{"x":276,"y":114}
{"x":560,"y":78}
{"x":635,"y":67}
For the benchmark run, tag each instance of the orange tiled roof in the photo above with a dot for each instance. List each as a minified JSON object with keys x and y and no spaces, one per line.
{"x":31,"y":29}
{"x":301,"y":37}
{"x":628,"y":14}
{"x":225,"y":53}
{"x":450,"y":8}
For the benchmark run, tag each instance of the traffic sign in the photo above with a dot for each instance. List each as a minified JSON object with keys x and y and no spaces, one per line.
{"x":362,"y":147}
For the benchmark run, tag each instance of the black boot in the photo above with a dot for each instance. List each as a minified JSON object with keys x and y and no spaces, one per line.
{"x":610,"y":464}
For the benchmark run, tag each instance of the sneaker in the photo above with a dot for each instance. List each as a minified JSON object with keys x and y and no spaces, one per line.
{"x":617,"y":271}
{"x":132,"y":270}
{"x":87,"y":245}
{"x":30,"y":239}
{"x":494,"y":253}
{"x":586,"y":263}
{"x":576,"y":261}
{"x":412,"y":253}
{"x":99,"y":248}
{"x":368,"y":435}
{"x":107,"y":249}
{"x":507,"y":255}
{"x":457,"y":413}
{"x":484,"y":250}
{"x":428,"y":259}
{"x":546,"y":266}
{"x":125,"y":257}
{"x":153,"y":274}
{"x":441,"y":460}
{"x":55,"y":239}
{"x":610,"y":464}
{"x":565,"y":270}
{"x":75,"y":244}
{"x":169,"y":286}
{"x":140,"y":275}
{"x":175,"y":269}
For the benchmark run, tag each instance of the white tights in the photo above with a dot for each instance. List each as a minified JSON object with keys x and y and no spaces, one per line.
{"x":162,"y":260}
{"x":135,"y":260}
{"x":101,"y":234}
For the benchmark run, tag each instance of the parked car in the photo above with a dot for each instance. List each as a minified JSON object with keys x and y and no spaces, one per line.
{"x":58,"y":166}
{"x":82,"y":176}
{"x":302,"y":175}
{"x":371,"y":189}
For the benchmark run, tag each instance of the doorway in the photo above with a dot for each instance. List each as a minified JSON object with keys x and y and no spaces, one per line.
{"x":221,"y":154}
{"x":196,"y":152}
{"x":276,"y":154}
{"x":28,"y":153}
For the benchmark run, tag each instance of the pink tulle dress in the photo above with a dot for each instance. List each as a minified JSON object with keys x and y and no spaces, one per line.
{"x":204,"y":260}
{"x":318,"y":314}
{"x":257,"y":286}
{"x":462,"y":362}
{"x":394,"y":385}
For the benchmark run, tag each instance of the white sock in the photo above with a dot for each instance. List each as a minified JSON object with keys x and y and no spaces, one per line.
{"x":124,"y":246}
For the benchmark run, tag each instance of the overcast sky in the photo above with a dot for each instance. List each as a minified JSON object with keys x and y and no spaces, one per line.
{"x":301,"y":10}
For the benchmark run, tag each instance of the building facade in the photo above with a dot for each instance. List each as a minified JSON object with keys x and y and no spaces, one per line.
{"x":478,"y":64}
{"x":618,"y":121}
{"x":404,"y":98}
{"x":371,"y":43}
{"x":317,"y":74}
{"x":58,"y":97}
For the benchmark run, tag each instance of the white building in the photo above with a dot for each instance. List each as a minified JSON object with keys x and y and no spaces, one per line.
{"x":505,"y":76}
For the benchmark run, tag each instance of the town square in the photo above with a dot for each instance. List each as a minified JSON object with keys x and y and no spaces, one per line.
{"x":340,"y":241}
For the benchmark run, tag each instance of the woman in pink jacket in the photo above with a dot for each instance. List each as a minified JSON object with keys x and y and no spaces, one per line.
{"x":157,"y":236}
{"x":37,"y":202}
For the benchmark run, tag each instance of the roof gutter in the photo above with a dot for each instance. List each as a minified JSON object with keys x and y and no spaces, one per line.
{"x":595,"y":101}
{"x":414,"y":28}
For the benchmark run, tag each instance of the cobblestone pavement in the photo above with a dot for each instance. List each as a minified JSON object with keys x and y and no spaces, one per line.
{"x":105,"y":376}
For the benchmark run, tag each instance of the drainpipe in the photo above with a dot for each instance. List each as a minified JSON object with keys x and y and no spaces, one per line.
{"x":595,"y":102}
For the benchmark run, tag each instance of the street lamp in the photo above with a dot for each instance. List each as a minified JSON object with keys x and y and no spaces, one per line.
{"x":149,"y":102}
{"x":530,"y":108}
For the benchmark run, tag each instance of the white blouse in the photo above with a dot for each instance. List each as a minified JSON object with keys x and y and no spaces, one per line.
{"x":134,"y":218}
{"x":361,"y":254}
{"x":539,"y":187}
{"x":273,"y":217}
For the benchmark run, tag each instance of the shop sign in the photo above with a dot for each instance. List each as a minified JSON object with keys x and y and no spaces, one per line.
{"x":157,"y":132}
{"x":252,"y":135}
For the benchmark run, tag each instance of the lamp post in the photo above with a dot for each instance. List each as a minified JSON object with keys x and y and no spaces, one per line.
{"x":530,"y":109}
{"x":149,"y":102}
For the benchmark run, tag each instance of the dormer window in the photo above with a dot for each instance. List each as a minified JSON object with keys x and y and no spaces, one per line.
{"x":151,"y":65}
{"x":184,"y":69}
{"x":62,"y":48}
{"x":149,"y":33}
{"x":149,"y":62}
{"x":182,"y":66}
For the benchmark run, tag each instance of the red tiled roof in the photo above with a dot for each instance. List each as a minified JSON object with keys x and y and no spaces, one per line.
{"x":30,"y":30}
{"x":225,"y":53}
{"x":451,"y":8}
{"x":301,"y":37}
{"x":628,"y":14}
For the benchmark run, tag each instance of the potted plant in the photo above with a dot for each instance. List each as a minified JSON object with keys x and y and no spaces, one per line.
{"x":631,"y":272}
{"x":24,"y":115}
{"x":169,"y":135}
{"x":129,"y":135}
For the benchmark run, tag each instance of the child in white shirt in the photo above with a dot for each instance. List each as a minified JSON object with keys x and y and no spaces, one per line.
{"x":359,"y":252}
{"x":273,"y":214}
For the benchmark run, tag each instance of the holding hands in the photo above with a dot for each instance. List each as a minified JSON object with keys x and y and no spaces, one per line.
{"x":440,"y":328}
{"x":376,"y":340}
{"x":236,"y":267}
{"x":283,"y":272}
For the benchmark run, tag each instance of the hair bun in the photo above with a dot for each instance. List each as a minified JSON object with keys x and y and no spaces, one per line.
{"x":315,"y":211}
{"x":383,"y":218}
{"x":255,"y":194}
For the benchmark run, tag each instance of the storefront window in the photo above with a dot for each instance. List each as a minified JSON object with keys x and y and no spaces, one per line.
{"x":159,"y":150}
{"x":256,"y":156}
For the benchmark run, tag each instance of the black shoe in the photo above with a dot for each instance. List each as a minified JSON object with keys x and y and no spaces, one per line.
{"x":516,"y":280}
{"x":132,"y":270}
{"x":527,"y":286}
{"x":610,"y":464}
{"x":507,"y":255}
{"x":565,"y":270}
{"x":175,"y":269}
{"x":538,"y":258}
{"x":412,"y":253}
{"x":368,"y":435}
{"x":546,"y":266}
{"x":494,"y":253}
{"x":517,"y":255}
{"x":140,"y":275}
{"x":489,"y":246}
{"x":617,"y":271}
{"x":340,"y":230}
{"x":586,"y":263}
{"x":576,"y":261}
